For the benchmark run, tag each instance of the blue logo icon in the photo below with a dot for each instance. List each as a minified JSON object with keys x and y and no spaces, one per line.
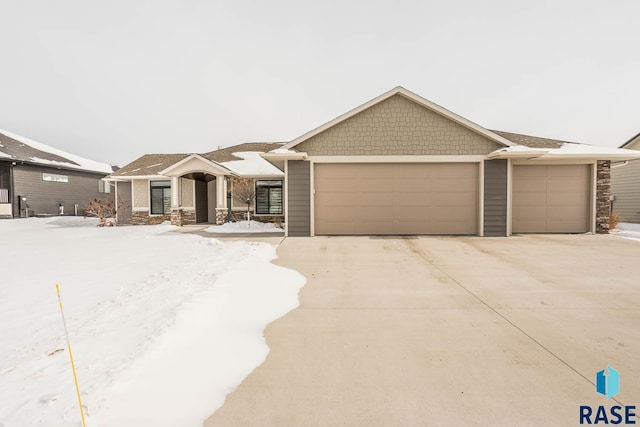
{"x":608,"y":385}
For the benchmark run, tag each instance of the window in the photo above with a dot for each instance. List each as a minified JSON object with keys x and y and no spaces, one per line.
{"x":268,"y":197}
{"x":104,"y":187}
{"x":160,"y":197}
{"x":52,"y":177}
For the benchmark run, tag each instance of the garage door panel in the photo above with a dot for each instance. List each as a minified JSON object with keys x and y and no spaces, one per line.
{"x":450,"y":226}
{"x":551,"y":199}
{"x":531,"y":199}
{"x":396,"y":198}
{"x":373,"y":227}
{"x":336,"y":185}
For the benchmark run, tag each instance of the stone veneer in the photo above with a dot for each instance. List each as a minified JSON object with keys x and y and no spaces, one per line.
{"x":603,"y":191}
{"x":182,"y":217}
{"x":397,"y":126}
{"x":143,"y":218}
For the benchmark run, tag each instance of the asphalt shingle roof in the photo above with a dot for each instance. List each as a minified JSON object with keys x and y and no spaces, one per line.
{"x":149,"y":164}
{"x":152,"y":164}
{"x":531,"y":141}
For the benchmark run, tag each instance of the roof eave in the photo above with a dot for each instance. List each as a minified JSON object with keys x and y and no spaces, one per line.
{"x":517,"y":155}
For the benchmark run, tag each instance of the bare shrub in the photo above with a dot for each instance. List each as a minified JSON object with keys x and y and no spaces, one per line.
{"x":614,"y":220}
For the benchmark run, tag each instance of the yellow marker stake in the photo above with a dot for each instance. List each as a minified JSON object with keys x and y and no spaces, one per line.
{"x":73,"y":366}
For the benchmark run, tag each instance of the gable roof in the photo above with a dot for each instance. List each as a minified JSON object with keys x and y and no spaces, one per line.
{"x":631,"y":141}
{"x":155,"y":164}
{"x":399,"y":90}
{"x":20,"y":149}
{"x":149,"y":164}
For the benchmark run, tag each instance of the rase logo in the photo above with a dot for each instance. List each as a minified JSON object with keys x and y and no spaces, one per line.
{"x":608,"y":384}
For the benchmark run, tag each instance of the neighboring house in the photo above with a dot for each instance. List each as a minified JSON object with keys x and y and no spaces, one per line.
{"x":198,"y":188}
{"x":400,"y":164}
{"x":625,"y":185}
{"x":36,"y":179}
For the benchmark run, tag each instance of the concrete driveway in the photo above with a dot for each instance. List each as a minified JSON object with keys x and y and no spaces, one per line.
{"x":447,"y":331}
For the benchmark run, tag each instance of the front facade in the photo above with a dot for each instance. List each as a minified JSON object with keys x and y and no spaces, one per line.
{"x":200,"y":188}
{"x":400,"y":164}
{"x":38,"y":180}
{"x":625,"y":185}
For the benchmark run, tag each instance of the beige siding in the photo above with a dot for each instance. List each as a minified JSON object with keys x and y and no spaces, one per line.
{"x":551,"y":199}
{"x":186,"y":190}
{"x":397,"y":126}
{"x":140,"y":193}
{"x":625,"y":186}
{"x":409,"y":198}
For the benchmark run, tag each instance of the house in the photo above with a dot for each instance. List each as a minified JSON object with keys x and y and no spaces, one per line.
{"x":625,"y":185}
{"x":400,"y":164}
{"x":36,"y":179}
{"x":199,"y":188}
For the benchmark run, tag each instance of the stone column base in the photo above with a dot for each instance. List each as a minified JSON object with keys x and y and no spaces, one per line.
{"x":221,"y":216}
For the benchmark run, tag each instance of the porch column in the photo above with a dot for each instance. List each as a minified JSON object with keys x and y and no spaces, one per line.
{"x":221,"y":199}
{"x":175,"y":192}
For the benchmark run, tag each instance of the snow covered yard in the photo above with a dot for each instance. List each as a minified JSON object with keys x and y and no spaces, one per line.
{"x":163,"y":325}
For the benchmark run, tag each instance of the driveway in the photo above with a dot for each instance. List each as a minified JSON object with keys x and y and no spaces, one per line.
{"x":447,"y":331}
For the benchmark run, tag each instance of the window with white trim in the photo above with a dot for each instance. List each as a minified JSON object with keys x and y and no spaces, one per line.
{"x":104,"y":187}
{"x":54,"y":177}
{"x":160,"y":197}
{"x":268,"y":197}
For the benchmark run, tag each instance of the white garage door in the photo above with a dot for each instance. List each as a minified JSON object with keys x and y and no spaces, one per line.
{"x":551,"y":199}
{"x":398,"y":198}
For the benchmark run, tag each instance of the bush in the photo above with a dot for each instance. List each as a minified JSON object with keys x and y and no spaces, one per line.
{"x":614,"y":220}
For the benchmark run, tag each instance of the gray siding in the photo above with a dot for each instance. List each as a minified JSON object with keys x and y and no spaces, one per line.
{"x":299,"y":200}
{"x":44,"y":197}
{"x":495,"y":198}
{"x":625,"y":186}
{"x":124,"y":202}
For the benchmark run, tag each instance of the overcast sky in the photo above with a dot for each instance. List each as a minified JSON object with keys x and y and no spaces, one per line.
{"x":112,"y":80}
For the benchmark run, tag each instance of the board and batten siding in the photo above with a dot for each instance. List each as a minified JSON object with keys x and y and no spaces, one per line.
{"x":625,"y":187}
{"x":45,"y":197}
{"x":299,"y":198}
{"x":495,"y":198}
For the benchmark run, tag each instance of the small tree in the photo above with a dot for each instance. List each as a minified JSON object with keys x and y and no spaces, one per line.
{"x":244,"y":190}
{"x":104,"y":209}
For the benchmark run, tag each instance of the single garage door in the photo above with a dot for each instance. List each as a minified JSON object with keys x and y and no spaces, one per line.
{"x":398,"y":198}
{"x":551,"y":199}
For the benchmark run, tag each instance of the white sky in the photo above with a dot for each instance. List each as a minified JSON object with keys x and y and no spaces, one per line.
{"x":114,"y":80}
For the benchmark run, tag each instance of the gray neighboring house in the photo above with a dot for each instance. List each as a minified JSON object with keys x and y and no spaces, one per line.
{"x":625,"y":185}
{"x":39,"y":180}
{"x":198,"y":188}
{"x":400,"y":164}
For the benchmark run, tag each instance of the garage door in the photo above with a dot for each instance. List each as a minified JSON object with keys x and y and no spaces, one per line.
{"x":551,"y":199}
{"x":405,"y":198}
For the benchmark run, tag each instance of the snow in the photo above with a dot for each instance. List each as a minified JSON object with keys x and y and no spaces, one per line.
{"x":283,"y":151}
{"x":568,"y":149}
{"x":627,"y":230}
{"x":84,"y":164}
{"x":163,"y":325}
{"x":245,"y":227}
{"x":252,"y":164}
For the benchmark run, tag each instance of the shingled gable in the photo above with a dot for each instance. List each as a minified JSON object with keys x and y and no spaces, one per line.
{"x":400,"y":91}
{"x":633,"y":143}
